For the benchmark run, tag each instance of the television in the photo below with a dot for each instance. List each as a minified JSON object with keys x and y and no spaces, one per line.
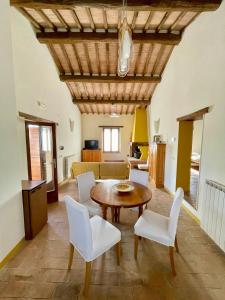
{"x":91,"y":144}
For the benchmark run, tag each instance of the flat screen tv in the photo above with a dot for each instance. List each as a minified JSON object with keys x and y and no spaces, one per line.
{"x":91,"y":144}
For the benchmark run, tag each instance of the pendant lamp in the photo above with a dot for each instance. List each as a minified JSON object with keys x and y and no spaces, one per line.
{"x":125,"y":47}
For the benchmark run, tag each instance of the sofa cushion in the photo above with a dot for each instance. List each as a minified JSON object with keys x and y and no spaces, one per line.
{"x":83,"y":167}
{"x":115,"y":170}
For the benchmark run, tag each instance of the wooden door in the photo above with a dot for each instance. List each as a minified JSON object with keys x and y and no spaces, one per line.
{"x":184,"y":155}
{"x":41,"y":156}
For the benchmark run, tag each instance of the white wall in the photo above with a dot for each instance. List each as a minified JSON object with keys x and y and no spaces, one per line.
{"x":36,"y":79}
{"x":91,"y":130}
{"x":197,"y":136}
{"x":11,"y":216}
{"x":29,"y":76}
{"x":195,"y":78}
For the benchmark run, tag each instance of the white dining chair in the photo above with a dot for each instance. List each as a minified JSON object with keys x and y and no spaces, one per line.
{"x":90,"y":237}
{"x":139,"y":176}
{"x":159,"y":228}
{"x":144,"y":167}
{"x":85,"y":182}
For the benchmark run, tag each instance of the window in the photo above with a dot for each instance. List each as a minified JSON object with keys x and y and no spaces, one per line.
{"x":110,"y":139}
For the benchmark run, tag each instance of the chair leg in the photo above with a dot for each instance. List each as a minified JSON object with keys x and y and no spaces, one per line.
{"x":172,"y":260}
{"x":176,"y":244}
{"x":118,"y":253}
{"x":71,"y":256}
{"x":136,"y":238}
{"x":87,"y":277}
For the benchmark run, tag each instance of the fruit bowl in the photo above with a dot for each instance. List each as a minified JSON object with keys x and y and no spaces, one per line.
{"x":124,"y":187}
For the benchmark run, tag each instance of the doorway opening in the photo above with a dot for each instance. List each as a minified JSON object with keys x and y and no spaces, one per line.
{"x":192,"y":195}
{"x":41,"y":155}
{"x":189,"y":155}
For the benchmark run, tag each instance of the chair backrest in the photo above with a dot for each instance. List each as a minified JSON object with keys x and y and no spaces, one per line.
{"x":80,"y":232}
{"x":139,"y":176}
{"x":85,"y":182}
{"x":174,"y":212}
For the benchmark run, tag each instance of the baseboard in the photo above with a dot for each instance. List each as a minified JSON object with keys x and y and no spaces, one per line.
{"x":13,"y":252}
{"x":64,"y":181}
{"x":191,"y":212}
{"x":187,"y":207}
{"x":168,"y":191}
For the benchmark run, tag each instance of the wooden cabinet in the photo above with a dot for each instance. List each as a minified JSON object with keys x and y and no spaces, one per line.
{"x":157,"y":163}
{"x":91,"y":155}
{"x":34,"y":206}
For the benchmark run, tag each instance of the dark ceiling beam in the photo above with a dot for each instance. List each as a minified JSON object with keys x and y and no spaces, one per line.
{"x":101,"y":37}
{"x":112,"y":102}
{"x":151,"y":5}
{"x":110,"y":79}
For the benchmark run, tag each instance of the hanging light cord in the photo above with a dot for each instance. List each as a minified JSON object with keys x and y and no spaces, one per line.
{"x":124,"y":11}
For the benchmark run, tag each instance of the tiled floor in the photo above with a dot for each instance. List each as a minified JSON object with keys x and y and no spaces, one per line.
{"x":40,"y":269}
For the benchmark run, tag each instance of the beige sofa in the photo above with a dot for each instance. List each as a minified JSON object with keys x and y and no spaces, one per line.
{"x":102,"y":170}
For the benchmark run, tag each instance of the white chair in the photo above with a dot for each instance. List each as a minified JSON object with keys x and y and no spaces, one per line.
{"x":91,"y":237}
{"x":159,"y":228}
{"x":85,"y":182}
{"x":144,"y":167}
{"x":139,"y":176}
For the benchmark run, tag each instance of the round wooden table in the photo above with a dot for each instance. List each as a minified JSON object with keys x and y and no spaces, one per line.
{"x":106,"y":196}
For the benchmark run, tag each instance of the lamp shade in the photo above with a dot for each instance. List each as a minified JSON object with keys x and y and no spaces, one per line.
{"x":125,"y":48}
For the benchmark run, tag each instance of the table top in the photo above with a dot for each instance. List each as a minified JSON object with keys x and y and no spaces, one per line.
{"x":104,"y":194}
{"x":29,"y":185}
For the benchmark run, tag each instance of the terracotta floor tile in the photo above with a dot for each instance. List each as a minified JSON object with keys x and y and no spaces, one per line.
{"x":96,"y":292}
{"x":67,"y":291}
{"x":146,"y":293}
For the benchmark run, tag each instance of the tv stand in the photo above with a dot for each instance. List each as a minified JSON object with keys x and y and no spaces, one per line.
{"x":91,"y":155}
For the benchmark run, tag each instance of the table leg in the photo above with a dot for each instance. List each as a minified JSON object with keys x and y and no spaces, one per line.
{"x":140,"y":210}
{"x":116,"y":214}
{"x":113,"y":214}
{"x":104,"y":212}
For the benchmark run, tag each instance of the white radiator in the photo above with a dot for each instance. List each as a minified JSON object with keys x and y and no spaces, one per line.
{"x":68,"y":160}
{"x":213,"y":221}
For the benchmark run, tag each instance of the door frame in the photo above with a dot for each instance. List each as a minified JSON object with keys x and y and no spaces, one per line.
{"x":190,"y":118}
{"x":51,"y":196}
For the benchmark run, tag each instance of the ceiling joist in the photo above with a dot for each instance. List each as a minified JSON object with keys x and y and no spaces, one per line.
{"x":101,"y":37}
{"x":153,"y":5}
{"x":112,"y":102}
{"x":110,"y":79}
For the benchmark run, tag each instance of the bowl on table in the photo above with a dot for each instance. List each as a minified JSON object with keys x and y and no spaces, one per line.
{"x":124,"y":187}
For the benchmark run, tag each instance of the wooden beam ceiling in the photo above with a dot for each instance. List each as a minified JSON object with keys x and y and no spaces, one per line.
{"x":109,"y":101}
{"x":110,"y":79}
{"x":109,"y":37}
{"x":153,"y":5}
{"x":65,"y":25}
